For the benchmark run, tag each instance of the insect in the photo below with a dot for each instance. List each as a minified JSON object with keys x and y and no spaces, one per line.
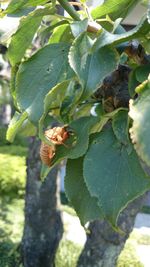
{"x":57,"y":135}
{"x":46,"y":153}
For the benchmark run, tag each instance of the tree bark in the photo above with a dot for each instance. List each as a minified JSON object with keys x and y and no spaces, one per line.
{"x":43,"y":225}
{"x":104,"y":245}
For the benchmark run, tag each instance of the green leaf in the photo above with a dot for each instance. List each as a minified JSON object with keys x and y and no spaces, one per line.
{"x":52,"y":101}
{"x":114,"y":8}
{"x":100,"y":124}
{"x":140,"y":113}
{"x":61,"y":34}
{"x":91,"y":69}
{"x":112,"y":175}
{"x":83,"y":110}
{"x":70,"y":102}
{"x":117,"y":28}
{"x":14,"y":70}
{"x":23,"y":11}
{"x":15,"y":125}
{"x":55,"y":96}
{"x":44,"y":172}
{"x":107,"y":38}
{"x":120,"y":126}
{"x":78,"y":27}
{"x":142,"y":73}
{"x":85,"y":206}
{"x":23,"y":37}
{"x":35,"y":2}
{"x":133,"y":83}
{"x":45,"y":31}
{"x":16,"y":5}
{"x":78,"y":141}
{"x":35,"y":77}
{"x":27,"y":129}
{"x":145,"y":41}
{"x":104,"y":118}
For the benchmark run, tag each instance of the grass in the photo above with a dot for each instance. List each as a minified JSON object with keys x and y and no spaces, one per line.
{"x":11,"y":226}
{"x":141,"y":239}
{"x":14,"y":150}
{"x":12,"y":182}
{"x":128,"y":257}
{"x":67,"y":254}
{"x":12,"y":170}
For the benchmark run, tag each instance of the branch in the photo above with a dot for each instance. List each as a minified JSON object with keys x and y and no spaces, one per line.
{"x":92,"y":27}
{"x":70,"y":10}
{"x":76,"y":4}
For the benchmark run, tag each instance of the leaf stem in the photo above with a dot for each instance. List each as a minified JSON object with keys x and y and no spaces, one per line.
{"x":87,"y":12}
{"x":70,"y":10}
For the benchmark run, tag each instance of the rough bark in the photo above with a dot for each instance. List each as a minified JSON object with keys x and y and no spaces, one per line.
{"x":43,"y":226}
{"x":104,"y":245}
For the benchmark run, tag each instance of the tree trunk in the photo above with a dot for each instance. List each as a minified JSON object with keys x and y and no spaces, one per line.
{"x":104,"y":245}
{"x":43,"y":226}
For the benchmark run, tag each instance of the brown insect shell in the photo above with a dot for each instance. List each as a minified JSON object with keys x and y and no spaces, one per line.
{"x":57,"y":135}
{"x":46,"y":153}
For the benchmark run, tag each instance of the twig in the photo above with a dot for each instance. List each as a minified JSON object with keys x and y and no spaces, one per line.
{"x":70,"y":10}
